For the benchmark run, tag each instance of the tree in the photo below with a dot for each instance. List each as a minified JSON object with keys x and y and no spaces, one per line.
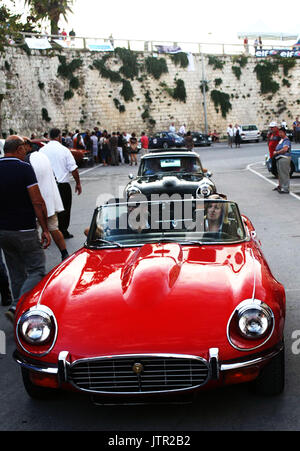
{"x":51,"y":10}
{"x":9,"y":25}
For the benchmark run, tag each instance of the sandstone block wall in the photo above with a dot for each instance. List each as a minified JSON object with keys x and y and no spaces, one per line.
{"x":30,"y":84}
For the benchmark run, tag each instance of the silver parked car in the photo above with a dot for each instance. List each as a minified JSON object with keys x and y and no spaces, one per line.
{"x":250,"y":133}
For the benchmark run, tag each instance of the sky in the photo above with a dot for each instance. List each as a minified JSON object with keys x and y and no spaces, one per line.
{"x":178,"y":20}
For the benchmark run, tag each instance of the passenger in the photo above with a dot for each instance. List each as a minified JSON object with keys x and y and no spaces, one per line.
{"x":217,"y":220}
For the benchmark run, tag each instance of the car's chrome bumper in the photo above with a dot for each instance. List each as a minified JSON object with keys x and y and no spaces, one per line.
{"x":216,"y":366}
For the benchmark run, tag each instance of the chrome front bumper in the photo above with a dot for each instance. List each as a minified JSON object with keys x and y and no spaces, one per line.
{"x":215,"y":367}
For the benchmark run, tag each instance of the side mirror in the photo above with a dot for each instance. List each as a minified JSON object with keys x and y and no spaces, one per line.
{"x":208,"y":174}
{"x":130,"y":176}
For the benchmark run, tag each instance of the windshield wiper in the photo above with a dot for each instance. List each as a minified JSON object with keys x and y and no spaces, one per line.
{"x":172,"y":240}
{"x":100,"y":240}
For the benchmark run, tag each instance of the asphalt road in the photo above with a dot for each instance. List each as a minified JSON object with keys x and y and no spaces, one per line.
{"x":241,"y":174}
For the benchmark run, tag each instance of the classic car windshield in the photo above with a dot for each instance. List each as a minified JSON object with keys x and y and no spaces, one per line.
{"x":186,"y":221}
{"x":151,"y":166}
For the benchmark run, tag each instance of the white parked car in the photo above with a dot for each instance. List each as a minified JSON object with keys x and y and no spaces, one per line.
{"x":250,"y":133}
{"x":2,"y":141}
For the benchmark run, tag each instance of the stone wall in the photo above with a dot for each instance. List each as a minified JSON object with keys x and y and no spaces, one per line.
{"x":32,"y":94}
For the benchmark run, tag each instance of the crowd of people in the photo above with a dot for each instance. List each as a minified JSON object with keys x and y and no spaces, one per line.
{"x":108,"y":148}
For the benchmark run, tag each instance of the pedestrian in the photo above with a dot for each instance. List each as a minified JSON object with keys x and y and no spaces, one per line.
{"x":273,"y":138}
{"x":94,"y":141}
{"x":133,"y":149}
{"x":188,"y":141}
{"x":284,"y":124}
{"x":114,"y":149}
{"x":105,"y":149}
{"x":125,"y":147}
{"x":260,"y":42}
{"x":63,"y":163}
{"x":50,"y":193}
{"x":69,"y":141}
{"x":230,"y":135}
{"x":237,"y":135}
{"x":172,"y":128}
{"x":255,"y":45}
{"x":21,"y":204}
{"x":296,"y":130}
{"x":246,"y":45}
{"x":182,"y":130}
{"x":282,"y":156}
{"x":144,"y":143}
{"x":120,"y":147}
{"x":78,"y":142}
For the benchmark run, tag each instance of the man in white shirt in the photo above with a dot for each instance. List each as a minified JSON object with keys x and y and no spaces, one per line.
{"x":182,"y":130}
{"x":230,"y":135}
{"x":50,"y":193}
{"x":63,"y":163}
{"x":172,"y":128}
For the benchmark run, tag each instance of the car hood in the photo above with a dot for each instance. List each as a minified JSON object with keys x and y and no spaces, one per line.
{"x":154,"y":298}
{"x":169,"y":182}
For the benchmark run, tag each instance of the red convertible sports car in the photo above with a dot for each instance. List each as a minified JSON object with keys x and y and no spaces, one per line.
{"x":166,"y":298}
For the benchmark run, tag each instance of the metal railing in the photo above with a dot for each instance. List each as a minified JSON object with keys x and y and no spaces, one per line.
{"x":94,"y":44}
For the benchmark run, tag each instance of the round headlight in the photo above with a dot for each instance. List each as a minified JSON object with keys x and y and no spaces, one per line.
{"x":254,"y":322}
{"x":35,"y":327}
{"x":133,"y":190}
{"x":250,"y":325}
{"x":203,"y":190}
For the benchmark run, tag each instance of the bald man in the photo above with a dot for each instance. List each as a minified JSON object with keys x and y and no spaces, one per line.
{"x":21,"y":203}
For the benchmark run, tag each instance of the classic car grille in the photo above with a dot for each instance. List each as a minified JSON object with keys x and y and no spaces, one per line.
{"x":153,"y":374}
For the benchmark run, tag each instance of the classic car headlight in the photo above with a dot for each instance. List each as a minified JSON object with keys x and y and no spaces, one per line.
{"x":203,"y":190}
{"x":36,"y":327}
{"x":133,"y":190}
{"x":254,"y":322}
{"x":251,"y":322}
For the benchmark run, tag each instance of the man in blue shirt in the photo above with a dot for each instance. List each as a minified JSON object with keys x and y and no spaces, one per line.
{"x":21,"y":204}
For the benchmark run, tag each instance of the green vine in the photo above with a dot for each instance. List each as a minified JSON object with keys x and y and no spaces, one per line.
{"x":177,"y":93}
{"x":180,"y":59}
{"x":66,"y":70}
{"x":111,"y":75}
{"x":215,"y":62}
{"x":264,"y":71}
{"x":119,"y":106}
{"x":241,"y":60}
{"x":45,"y":115}
{"x":130,"y":68}
{"x":221,"y":99}
{"x":127,"y":91}
{"x":156,"y":67}
{"x":237,"y":71}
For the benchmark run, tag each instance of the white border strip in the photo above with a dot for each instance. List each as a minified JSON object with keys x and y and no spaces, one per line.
{"x":249,"y":168}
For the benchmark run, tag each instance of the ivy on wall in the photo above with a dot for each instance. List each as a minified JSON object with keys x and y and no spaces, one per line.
{"x":216,"y":62}
{"x":221,"y":99}
{"x":45,"y":115}
{"x":66,"y":70}
{"x":264,"y":71}
{"x":156,"y":67}
{"x":180,"y":59}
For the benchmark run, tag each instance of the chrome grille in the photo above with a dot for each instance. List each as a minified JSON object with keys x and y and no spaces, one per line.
{"x":158,"y":374}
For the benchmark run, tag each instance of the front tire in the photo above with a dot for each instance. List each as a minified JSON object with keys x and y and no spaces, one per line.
{"x":35,"y":391}
{"x":270,"y":382}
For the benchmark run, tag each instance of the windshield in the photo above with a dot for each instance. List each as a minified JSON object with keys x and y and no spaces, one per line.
{"x":249,"y":128}
{"x":186,"y":221}
{"x":151,"y":166}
